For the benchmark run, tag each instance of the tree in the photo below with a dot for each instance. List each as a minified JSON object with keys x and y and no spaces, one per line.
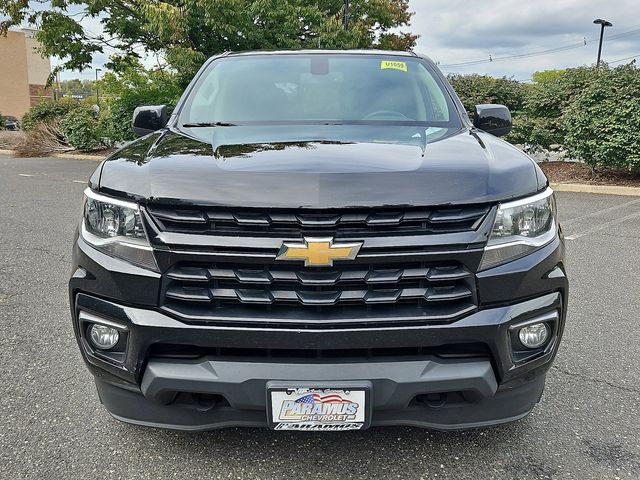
{"x":77,"y":86}
{"x":544,"y":76}
{"x":186,"y":32}
{"x":129,"y":88}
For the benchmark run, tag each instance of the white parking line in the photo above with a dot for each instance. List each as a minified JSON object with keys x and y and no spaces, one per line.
{"x":598,"y":212}
{"x":602,"y":226}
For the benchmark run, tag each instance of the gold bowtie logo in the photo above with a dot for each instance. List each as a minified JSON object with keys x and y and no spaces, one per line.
{"x":318,"y":252}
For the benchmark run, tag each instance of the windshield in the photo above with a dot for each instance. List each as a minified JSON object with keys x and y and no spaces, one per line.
{"x":319,"y":89}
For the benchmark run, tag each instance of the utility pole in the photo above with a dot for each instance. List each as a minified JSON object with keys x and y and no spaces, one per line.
{"x":97,"y":89}
{"x":346,"y":15}
{"x":603,"y":24}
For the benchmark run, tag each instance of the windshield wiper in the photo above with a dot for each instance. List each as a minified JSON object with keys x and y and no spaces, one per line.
{"x":208,"y":124}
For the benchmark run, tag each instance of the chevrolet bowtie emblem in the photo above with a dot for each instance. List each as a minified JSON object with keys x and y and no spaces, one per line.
{"x":318,"y":252}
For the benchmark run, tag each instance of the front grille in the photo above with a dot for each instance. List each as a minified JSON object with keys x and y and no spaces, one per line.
{"x":296,"y":223}
{"x":414,"y":267}
{"x":347,"y":294}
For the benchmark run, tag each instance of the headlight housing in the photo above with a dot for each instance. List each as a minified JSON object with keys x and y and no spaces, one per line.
{"x":520,"y":228}
{"x":115,"y":227}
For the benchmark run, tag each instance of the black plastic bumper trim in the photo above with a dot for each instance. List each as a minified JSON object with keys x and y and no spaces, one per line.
{"x":243,"y":384}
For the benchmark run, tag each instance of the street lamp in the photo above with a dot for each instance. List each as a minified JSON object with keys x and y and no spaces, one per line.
{"x":603,"y":24}
{"x":97,"y":89}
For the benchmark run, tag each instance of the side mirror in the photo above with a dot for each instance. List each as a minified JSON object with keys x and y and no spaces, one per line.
{"x":149,"y":119}
{"x":493,"y":119}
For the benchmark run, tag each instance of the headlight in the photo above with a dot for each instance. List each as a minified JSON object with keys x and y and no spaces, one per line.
{"x":521,"y":227}
{"x":115,"y":227}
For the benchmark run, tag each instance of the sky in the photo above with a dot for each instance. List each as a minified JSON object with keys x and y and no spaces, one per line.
{"x":472,"y":31}
{"x":461,"y":31}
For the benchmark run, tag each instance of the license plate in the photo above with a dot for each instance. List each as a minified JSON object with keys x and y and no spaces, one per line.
{"x":318,"y":409}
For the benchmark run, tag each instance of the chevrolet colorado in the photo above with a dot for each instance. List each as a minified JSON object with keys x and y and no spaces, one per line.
{"x":319,"y":240}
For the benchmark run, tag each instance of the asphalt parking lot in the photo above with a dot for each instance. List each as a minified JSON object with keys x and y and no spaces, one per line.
{"x":53,"y":426}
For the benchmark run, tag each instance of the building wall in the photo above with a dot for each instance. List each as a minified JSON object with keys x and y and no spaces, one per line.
{"x":23,"y":73}
{"x":14,"y":82}
{"x":38,"y":70}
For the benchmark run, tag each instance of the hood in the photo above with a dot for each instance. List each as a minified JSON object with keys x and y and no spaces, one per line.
{"x":320,"y":167}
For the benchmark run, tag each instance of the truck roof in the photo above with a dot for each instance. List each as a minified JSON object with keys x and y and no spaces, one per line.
{"x":319,"y":51}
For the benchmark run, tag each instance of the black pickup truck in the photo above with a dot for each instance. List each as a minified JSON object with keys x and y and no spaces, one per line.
{"x":319,"y":240}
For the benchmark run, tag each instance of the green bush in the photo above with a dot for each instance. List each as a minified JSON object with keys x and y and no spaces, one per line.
{"x":477,"y":89}
{"x":535,"y":131}
{"x":1,"y":122}
{"x":545,"y":102}
{"x":559,"y":107}
{"x":130,"y":88}
{"x":81,"y":128}
{"x":554,"y":90}
{"x":47,"y":110}
{"x":601,"y":123}
{"x":76,"y":124}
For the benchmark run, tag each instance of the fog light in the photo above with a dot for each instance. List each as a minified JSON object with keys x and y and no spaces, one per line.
{"x":103,"y":337}
{"x":534,"y":336}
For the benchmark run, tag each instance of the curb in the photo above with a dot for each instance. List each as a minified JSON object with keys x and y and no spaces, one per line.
{"x":73,"y":156}
{"x":598,"y":189}
{"x":80,"y":156}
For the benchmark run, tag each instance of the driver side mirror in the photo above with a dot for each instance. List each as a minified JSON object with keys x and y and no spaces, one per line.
{"x":494,"y":119}
{"x":149,"y":119}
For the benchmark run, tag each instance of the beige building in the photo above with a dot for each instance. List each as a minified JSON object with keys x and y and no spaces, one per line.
{"x":23,"y":73}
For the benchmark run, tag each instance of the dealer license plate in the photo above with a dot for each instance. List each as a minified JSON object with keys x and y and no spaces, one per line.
{"x":318,"y":409}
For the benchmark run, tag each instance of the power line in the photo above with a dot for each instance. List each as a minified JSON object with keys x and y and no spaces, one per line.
{"x":517,"y":56}
{"x":585,"y":42}
{"x":623,"y":34}
{"x":623,"y":59}
{"x":573,"y":45}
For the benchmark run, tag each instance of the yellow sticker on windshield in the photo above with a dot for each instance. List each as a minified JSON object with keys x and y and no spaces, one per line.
{"x":393,"y":65}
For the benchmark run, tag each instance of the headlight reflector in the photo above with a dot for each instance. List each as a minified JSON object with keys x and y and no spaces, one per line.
{"x":521,"y":227}
{"x":115,"y":227}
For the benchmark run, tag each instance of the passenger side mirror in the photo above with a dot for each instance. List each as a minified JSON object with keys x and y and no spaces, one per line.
{"x":149,"y":119}
{"x":493,"y":119}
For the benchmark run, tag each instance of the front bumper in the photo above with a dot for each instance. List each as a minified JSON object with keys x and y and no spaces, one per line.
{"x":422,"y":388}
{"x":216,"y":394}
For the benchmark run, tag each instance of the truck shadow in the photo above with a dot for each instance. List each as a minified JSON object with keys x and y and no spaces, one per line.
{"x":380,"y":452}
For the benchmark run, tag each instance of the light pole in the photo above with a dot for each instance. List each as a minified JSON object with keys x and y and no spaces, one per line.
{"x":97,"y":89}
{"x":603,"y":24}
{"x":346,"y":15}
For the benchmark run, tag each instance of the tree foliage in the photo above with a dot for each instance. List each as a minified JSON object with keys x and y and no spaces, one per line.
{"x":186,"y":32}
{"x":46,"y":111}
{"x":65,"y":123}
{"x":550,"y":95}
{"x":129,"y":88}
{"x":81,"y":129}
{"x":593,"y":111}
{"x":601,"y":123}
{"x":477,"y":89}
{"x":543,"y":76}
{"x":547,"y":98}
{"x":77,"y":86}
